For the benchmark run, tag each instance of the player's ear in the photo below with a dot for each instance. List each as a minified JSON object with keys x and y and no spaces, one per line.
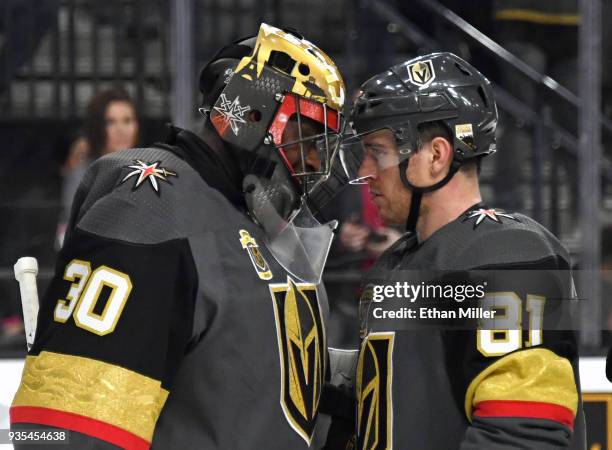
{"x":441,"y":157}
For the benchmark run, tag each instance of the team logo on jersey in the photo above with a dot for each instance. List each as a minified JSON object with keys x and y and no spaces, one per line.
{"x":302,"y":346}
{"x":260,"y":264}
{"x":148,"y":171}
{"x":421,"y":73}
{"x":374,"y":384}
{"x":229,"y":113}
{"x":491,"y":214}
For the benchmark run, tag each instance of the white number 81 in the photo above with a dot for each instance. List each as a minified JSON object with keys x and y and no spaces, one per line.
{"x":503,"y":334}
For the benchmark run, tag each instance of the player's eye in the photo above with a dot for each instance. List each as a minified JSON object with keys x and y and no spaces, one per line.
{"x":380,"y":152}
{"x":371,"y":153}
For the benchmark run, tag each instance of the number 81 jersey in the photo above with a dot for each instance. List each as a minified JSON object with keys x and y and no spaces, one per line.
{"x":430,"y":386}
{"x":168,"y":324}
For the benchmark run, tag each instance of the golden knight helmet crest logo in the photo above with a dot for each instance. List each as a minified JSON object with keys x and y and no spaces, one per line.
{"x":421,"y":73}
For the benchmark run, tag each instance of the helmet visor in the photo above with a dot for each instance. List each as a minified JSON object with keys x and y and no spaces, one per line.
{"x":365,"y":155}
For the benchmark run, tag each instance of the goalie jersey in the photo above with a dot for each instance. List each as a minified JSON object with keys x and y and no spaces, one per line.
{"x":435,"y":387}
{"x":168,"y":324}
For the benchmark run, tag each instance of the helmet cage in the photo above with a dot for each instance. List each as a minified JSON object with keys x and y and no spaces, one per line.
{"x":325,"y":143}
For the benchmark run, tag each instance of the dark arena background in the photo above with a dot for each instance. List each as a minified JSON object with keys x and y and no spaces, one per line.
{"x":550,"y":63}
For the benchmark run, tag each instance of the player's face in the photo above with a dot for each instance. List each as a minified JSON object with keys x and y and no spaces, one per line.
{"x":121,"y":126}
{"x":380,"y":166}
{"x":292,"y":152}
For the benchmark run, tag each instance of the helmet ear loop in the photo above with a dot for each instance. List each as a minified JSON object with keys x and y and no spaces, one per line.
{"x":417,"y":192}
{"x":454,"y":167}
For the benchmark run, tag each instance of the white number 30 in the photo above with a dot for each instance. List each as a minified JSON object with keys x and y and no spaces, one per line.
{"x":84,"y":293}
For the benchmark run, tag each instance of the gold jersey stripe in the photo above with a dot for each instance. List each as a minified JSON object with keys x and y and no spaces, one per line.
{"x":535,"y":375}
{"x":526,"y":15}
{"x":94,"y":389}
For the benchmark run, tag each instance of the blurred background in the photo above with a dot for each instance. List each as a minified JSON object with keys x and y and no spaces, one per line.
{"x":79,"y":78}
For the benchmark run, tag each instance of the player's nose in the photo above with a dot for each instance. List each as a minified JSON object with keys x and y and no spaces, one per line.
{"x":367,"y":170}
{"x":313,"y":159}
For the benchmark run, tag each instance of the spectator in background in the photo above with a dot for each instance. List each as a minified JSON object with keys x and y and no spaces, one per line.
{"x":111,"y":124}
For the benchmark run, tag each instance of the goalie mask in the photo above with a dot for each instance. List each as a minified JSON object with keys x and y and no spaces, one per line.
{"x":276,"y":101}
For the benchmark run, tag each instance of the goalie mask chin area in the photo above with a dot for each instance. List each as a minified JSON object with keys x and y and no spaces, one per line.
{"x":300,"y":243}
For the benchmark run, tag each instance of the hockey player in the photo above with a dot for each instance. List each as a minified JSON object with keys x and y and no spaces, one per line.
{"x":186,"y":311}
{"x":421,"y":129}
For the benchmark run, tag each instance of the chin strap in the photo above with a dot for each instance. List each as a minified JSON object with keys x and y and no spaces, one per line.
{"x":413,"y":215}
{"x":417,"y":192}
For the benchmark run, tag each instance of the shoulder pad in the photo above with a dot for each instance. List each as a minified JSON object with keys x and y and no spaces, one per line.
{"x":494,"y":237}
{"x":143,"y":195}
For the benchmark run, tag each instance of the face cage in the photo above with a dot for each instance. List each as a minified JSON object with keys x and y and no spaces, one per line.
{"x":352,"y":154}
{"x":326,"y":143}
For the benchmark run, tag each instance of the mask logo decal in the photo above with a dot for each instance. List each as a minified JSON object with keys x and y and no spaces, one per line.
{"x":228,"y":113}
{"x":229,"y":73}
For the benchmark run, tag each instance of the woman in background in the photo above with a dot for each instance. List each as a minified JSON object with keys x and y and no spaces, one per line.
{"x":111,"y":124}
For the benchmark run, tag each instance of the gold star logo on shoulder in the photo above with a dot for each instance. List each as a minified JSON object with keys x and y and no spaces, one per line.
{"x":489,"y":213}
{"x":148,"y":171}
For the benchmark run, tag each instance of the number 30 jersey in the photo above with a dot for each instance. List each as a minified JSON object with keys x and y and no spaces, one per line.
{"x":168,"y":324}
{"x":431,"y":386}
